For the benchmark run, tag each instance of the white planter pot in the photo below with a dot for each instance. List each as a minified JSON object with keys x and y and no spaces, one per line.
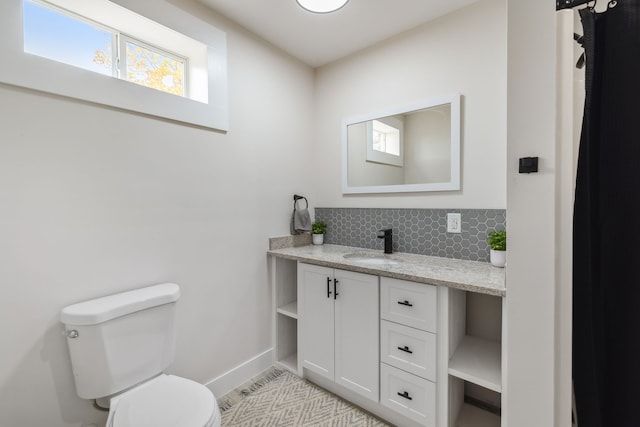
{"x":317,"y":239}
{"x":498,"y":258}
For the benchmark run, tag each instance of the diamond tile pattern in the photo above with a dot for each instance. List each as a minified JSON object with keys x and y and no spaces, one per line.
{"x":289,"y":401}
{"x":417,"y":231}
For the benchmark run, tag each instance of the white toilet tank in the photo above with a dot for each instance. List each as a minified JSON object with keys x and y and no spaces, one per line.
{"x":120,"y":340}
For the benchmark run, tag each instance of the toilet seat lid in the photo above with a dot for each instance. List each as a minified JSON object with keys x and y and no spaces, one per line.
{"x":165,"y":401}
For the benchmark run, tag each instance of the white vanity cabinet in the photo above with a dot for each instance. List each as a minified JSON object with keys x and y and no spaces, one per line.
{"x":422,"y":349}
{"x":338,"y":335}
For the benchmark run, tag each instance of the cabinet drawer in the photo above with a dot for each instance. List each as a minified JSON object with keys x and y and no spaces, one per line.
{"x":409,"y":349}
{"x":408,"y":303}
{"x":412,"y":396}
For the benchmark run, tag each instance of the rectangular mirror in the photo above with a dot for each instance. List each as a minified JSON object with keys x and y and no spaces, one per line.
{"x":411,"y":148}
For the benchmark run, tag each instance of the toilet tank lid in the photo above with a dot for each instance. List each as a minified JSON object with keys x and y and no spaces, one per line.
{"x":106,"y":308}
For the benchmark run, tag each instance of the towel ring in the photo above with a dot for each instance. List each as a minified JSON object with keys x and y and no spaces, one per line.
{"x":295,"y":201}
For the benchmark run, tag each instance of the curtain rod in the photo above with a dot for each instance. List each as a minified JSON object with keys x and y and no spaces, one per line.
{"x":568,"y":4}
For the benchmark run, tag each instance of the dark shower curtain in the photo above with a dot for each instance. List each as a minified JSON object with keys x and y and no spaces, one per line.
{"x":606,"y":265}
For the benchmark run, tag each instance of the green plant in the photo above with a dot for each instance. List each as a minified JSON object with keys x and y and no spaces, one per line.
{"x":318,"y":227}
{"x":497,"y":240}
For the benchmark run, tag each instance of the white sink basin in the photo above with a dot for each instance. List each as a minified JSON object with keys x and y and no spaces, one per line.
{"x":373,"y":259}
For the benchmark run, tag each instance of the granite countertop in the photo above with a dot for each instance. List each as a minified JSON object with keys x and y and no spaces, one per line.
{"x":471,"y":276}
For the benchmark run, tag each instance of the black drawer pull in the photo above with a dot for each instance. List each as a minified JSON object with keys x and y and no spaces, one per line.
{"x":335,"y":288}
{"x":405,"y":302}
{"x":405,"y":395}
{"x":405,"y":349}
{"x":328,"y":287}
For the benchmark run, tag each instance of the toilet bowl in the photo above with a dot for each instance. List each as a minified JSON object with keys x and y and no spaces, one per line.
{"x":165,"y":401}
{"x":120,"y":346}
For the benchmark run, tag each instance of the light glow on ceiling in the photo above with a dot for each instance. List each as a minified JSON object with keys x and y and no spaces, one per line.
{"x":322,"y":6}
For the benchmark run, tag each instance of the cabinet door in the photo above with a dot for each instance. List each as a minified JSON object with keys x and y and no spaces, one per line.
{"x":316,"y":319}
{"x":357,"y":333}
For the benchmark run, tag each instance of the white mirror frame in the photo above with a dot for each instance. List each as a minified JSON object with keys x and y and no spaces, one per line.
{"x":452,"y":185}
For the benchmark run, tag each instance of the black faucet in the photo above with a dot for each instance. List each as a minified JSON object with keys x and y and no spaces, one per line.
{"x":387,"y":235}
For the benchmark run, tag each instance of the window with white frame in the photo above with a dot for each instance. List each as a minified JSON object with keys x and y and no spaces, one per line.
{"x":117,"y":53}
{"x":64,"y":36}
{"x":385,"y":141}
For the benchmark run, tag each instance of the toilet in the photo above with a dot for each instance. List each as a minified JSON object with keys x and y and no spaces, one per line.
{"x":120,"y":346}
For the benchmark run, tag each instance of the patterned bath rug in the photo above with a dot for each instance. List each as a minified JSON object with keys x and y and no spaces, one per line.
{"x":282,"y":399}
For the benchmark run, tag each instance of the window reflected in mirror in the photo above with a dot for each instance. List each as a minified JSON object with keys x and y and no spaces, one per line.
{"x":417,"y":149}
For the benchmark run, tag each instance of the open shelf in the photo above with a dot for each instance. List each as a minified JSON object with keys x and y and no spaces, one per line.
{"x":284,"y":279}
{"x":290,"y":309}
{"x":290,"y":363}
{"x":478,"y":361}
{"x":472,"y":416}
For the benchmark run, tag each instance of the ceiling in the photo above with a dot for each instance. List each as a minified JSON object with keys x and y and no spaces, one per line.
{"x":317,"y":39}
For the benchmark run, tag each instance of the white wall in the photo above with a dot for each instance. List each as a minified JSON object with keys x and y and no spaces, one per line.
{"x":532,"y":206}
{"x":462,"y":52}
{"x":427,"y":158}
{"x":96,"y":201}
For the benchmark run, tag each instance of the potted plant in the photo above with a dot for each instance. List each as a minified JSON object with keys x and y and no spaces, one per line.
{"x":497,"y":241}
{"x":318,"y":229}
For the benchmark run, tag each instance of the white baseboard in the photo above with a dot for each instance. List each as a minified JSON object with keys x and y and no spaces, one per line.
{"x":241,"y":373}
